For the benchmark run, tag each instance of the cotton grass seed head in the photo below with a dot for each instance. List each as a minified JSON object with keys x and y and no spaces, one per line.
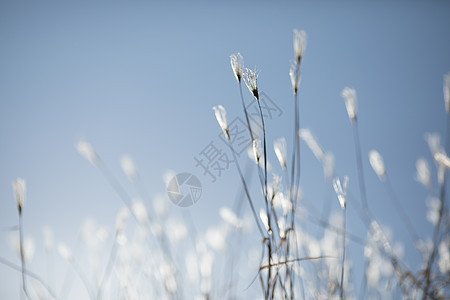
{"x":341,"y":190}
{"x":251,"y":80}
{"x":295,"y":75}
{"x":447,"y":92}
{"x":85,"y":149}
{"x":376,"y":161}
{"x":308,"y":137}
{"x":423,"y":173}
{"x":257,"y":150}
{"x":221,"y":116}
{"x":19,"y":188}
{"x":237,"y":64}
{"x":279,"y":146}
{"x":264,"y":220}
{"x":350,"y":102}
{"x":229,"y":217}
{"x":442,"y":159}
{"x":434,"y":143}
{"x":299,"y":44}
{"x":128,"y":167}
{"x":65,"y":252}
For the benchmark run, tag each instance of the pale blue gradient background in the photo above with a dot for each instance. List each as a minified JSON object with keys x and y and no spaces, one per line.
{"x":141,"y":78}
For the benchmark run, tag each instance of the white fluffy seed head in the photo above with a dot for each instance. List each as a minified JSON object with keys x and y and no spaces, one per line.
{"x":279,"y":146}
{"x":19,"y":188}
{"x":442,"y":159}
{"x":328,"y":165}
{"x":121,"y":219}
{"x":349,"y":95}
{"x":434,"y":143}
{"x":140,"y":211}
{"x":237,"y":64}
{"x":251,"y":80}
{"x":65,"y":252}
{"x":230,"y":217}
{"x":376,"y":161}
{"x":128,"y":167}
{"x":423,"y":173}
{"x":221,"y":116}
{"x":308,"y":137}
{"x":85,"y":149}
{"x":295,"y":75}
{"x":299,"y":44}
{"x":341,"y":190}
{"x":265,"y":220}
{"x":257,"y":150}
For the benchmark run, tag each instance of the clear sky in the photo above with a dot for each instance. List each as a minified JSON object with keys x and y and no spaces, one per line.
{"x":141,"y":78}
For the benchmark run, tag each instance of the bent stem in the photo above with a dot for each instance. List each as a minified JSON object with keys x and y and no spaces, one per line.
{"x":343,"y":252}
{"x":22,"y":255}
{"x":269,"y":242}
{"x":362,"y":185}
{"x":401,"y":211}
{"x":111,"y":259}
{"x":250,"y":202}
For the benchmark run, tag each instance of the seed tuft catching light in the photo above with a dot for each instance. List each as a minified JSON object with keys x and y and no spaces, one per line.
{"x":221,"y":116}
{"x":237,"y":64}
{"x":350,"y":102}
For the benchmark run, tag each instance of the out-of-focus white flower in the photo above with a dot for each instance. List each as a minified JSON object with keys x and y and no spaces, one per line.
{"x":444,"y":255}
{"x":442,"y":159}
{"x":341,"y":190}
{"x":215,"y":237}
{"x":128,"y":167}
{"x":176,"y":230}
{"x":221,"y":116}
{"x":229,"y":216}
{"x":376,"y":161}
{"x":308,"y":137}
{"x":85,"y":149}
{"x":265,"y":220}
{"x":295,"y":75}
{"x":168,"y":175}
{"x":299,"y":44}
{"x":328,"y":165}
{"x":102,"y":234}
{"x":434,"y":205}
{"x":65,"y":252}
{"x":48,"y":238}
{"x":28,"y":248}
{"x":257,"y":150}
{"x":423,"y":174}
{"x":350,"y":102}
{"x":282,"y":227}
{"x":279,"y":146}
{"x":447,"y":92}
{"x":251,"y":80}
{"x":434,"y":143}
{"x":140,"y":211}
{"x":121,"y":219}
{"x":237,"y":63}
{"x":19,"y":188}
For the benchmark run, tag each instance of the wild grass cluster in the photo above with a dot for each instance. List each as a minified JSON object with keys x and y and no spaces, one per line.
{"x":155,"y":253}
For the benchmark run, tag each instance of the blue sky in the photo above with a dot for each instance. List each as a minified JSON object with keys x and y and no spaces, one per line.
{"x":141,"y":79}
